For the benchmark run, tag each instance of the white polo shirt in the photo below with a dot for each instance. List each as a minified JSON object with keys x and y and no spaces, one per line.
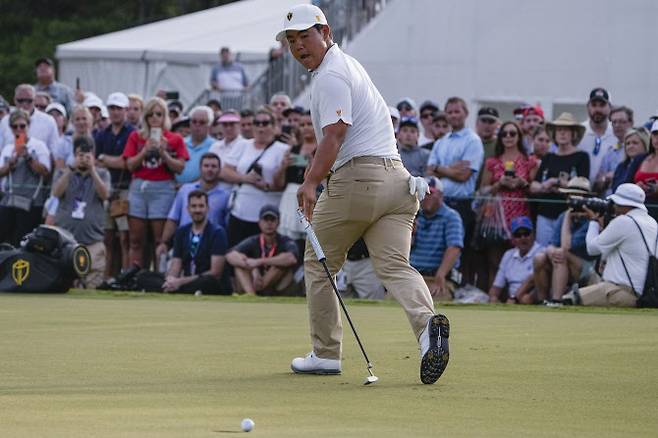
{"x":342,"y":90}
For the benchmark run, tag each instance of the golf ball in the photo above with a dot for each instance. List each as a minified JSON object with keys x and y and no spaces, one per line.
{"x":247,"y":424}
{"x":198,"y":293}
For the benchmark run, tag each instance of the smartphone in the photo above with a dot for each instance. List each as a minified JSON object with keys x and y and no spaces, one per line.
{"x":286,"y":129}
{"x":156,"y":134}
{"x":299,"y":160}
{"x":172,"y":95}
{"x":20,"y":139}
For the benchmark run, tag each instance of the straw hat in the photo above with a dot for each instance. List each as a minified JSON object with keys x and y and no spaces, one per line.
{"x":566,"y":120}
{"x":578,"y":185}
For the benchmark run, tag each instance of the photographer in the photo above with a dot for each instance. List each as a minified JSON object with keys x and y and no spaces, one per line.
{"x":81,"y":191}
{"x":621,"y":245}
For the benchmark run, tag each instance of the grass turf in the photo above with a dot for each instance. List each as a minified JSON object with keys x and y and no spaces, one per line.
{"x":169,"y":366}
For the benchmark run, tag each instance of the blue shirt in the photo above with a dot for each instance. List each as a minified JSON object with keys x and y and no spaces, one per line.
{"x":456,"y":146}
{"x":109,"y":144}
{"x":515,"y":269}
{"x":433,"y":236}
{"x":217,"y":204}
{"x":578,"y":234}
{"x":192,"y":170}
{"x":196,"y":251}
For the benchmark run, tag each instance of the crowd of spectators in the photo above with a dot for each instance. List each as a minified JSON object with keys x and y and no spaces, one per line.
{"x":207,"y":196}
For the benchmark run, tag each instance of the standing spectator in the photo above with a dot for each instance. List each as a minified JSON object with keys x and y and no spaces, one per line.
{"x":135,"y":109}
{"x":198,"y":142}
{"x":486,"y":128}
{"x":175,"y":109}
{"x":644,"y":173}
{"x":555,"y":171}
{"x":532,"y":117}
{"x":95,"y":106}
{"x":407,"y":107}
{"x":440,"y":127}
{"x":153,"y":156}
{"x":621,"y":119}
{"x":58,"y":112}
{"x":395,"y":119}
{"x":279,"y":103}
{"x":110,"y":144}
{"x":599,"y":136}
{"x":209,"y":183}
{"x":42,"y":126}
{"x":82,"y":121}
{"x":4,"y":109}
{"x":252,"y":169}
{"x":42,"y":100}
{"x":413,"y":157}
{"x":437,"y":242}
{"x":247,"y":124}
{"x":515,"y":268}
{"x":82,"y":191}
{"x":199,"y":252}
{"x":45,"y":72}
{"x":215,"y":106}
{"x":636,"y":146}
{"x":231,"y":144}
{"x":508,"y":175}
{"x":264,"y":262}
{"x":540,"y":142}
{"x":228,"y":75}
{"x":427,"y":111}
{"x":457,"y":159}
{"x":25,"y":165}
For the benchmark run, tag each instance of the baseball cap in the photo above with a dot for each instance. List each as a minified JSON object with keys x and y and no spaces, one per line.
{"x":175,"y":105}
{"x":429,"y":104}
{"x":654,"y":127}
{"x":434,"y":184}
{"x":42,"y":60}
{"x":56,"y":106}
{"x":408,"y":101}
{"x":293,"y":109}
{"x":92,"y":101}
{"x":301,"y":17}
{"x":393,"y":111}
{"x":488,"y":112}
{"x":521,"y":222}
{"x":118,"y":99}
{"x":599,"y":94}
{"x":533,"y":110}
{"x":268,"y":210}
{"x":409,"y":121}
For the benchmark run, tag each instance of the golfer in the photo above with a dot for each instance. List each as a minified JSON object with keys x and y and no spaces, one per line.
{"x":367,"y":193}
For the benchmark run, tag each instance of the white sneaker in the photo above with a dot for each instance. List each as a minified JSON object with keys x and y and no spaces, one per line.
{"x":311,"y":364}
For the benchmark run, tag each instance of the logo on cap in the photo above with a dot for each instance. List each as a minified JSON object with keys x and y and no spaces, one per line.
{"x":317,"y":18}
{"x":289,"y":16}
{"x":339,"y":112}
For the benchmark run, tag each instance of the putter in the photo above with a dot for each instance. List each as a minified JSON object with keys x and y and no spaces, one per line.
{"x":322,"y":259}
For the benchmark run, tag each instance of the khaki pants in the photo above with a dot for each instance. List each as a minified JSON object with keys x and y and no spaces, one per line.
{"x":367,"y":197}
{"x":97,"y":271}
{"x":608,"y":294}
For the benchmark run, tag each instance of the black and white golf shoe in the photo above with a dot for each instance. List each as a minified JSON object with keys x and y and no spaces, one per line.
{"x":434,"y":349}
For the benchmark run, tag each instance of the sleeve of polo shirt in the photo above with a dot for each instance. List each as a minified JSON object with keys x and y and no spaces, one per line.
{"x":500,"y":280}
{"x":434,"y":155}
{"x":334,"y":99}
{"x":219,"y":242}
{"x":474,"y":153}
{"x":455,"y":231}
{"x":176,"y":208}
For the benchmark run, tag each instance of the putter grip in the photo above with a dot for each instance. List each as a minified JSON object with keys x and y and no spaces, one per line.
{"x":311,"y":236}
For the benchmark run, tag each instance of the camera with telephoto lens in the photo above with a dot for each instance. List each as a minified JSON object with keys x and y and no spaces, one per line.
{"x":597,"y":205}
{"x":59,"y":244}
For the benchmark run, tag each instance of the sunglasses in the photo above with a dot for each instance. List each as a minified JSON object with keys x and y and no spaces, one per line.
{"x":155,"y":113}
{"x":511,"y":134}
{"x":19,"y":126}
{"x":198,"y":122}
{"x":262,"y":122}
{"x":521,"y":234}
{"x":41,"y":107}
{"x":21,"y":101}
{"x":426,"y":115}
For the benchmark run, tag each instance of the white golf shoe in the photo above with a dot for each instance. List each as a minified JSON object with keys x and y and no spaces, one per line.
{"x":311,"y":364}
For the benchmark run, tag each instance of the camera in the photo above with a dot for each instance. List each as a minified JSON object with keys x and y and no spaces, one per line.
{"x":597,"y":205}
{"x":59,"y":244}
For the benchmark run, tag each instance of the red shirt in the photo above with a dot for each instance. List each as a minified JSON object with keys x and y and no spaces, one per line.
{"x":154,"y":169}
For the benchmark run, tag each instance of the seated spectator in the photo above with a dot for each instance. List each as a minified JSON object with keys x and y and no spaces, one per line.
{"x":413,"y":157}
{"x":555,"y":172}
{"x":360,"y":280}
{"x":566,"y":260}
{"x":81,"y":191}
{"x":625,"y":244}
{"x":210,"y":166}
{"x":231,"y":143}
{"x":153,"y":156}
{"x":516,"y":266}
{"x":247,"y":124}
{"x":198,"y":142}
{"x":636,"y":147}
{"x":437,"y":242}
{"x":264,"y":263}
{"x":199,"y":252}
{"x":25,"y":166}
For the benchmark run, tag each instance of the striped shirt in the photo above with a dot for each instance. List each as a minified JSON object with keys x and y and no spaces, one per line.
{"x":433,"y":236}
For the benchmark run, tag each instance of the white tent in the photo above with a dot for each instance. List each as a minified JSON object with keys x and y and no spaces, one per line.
{"x":174,"y":54}
{"x":509,"y":51}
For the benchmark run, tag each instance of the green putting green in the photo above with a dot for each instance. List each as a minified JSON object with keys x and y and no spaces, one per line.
{"x":103,"y":365}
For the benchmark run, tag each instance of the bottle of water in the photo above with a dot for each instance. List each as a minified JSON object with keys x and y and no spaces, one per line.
{"x":162,"y":265}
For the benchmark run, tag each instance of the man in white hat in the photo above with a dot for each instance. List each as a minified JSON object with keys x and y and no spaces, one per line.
{"x":622,"y":246}
{"x":368,"y":193}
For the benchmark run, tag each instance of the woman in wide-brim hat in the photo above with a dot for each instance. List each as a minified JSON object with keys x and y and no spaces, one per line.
{"x":555,"y":172}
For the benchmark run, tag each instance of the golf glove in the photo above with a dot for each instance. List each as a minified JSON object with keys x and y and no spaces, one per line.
{"x":418,"y":187}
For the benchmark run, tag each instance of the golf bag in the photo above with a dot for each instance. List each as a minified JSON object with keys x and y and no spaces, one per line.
{"x":49,"y":260}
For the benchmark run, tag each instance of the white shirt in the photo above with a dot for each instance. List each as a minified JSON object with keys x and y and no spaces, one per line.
{"x":223,"y":150}
{"x":35,"y":147}
{"x":342,"y":90}
{"x":42,"y":127}
{"x":621,"y":236}
{"x":588,"y":144}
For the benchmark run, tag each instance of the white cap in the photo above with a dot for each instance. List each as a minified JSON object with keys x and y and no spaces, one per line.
{"x":104,"y":113}
{"x":654,"y":127}
{"x":301,"y":17}
{"x":394,"y":112}
{"x":629,"y":195}
{"x":118,"y":99}
{"x":91,"y":100}
{"x":57,"y":107}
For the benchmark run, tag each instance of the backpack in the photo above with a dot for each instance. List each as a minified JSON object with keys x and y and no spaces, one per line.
{"x":649,"y":297}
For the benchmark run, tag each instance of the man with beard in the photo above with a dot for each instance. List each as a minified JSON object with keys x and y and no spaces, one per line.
{"x":599,"y":136}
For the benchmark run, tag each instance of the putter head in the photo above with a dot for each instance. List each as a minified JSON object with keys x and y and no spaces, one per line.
{"x":371,"y":379}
